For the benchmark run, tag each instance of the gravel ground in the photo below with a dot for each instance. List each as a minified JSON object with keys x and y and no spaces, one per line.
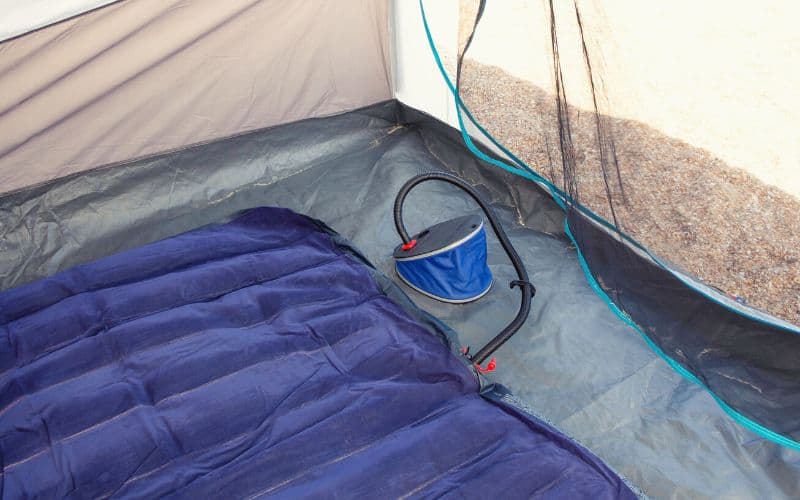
{"x":719,"y":223}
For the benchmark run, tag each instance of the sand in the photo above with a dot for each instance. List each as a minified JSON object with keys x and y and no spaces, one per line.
{"x":703,"y":112}
{"x":717,"y":222}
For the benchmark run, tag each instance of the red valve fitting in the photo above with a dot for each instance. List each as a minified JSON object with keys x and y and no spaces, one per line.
{"x":408,"y":246}
{"x":490,"y":367}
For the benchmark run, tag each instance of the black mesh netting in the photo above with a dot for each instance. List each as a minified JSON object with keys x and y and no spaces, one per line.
{"x":557,"y":83}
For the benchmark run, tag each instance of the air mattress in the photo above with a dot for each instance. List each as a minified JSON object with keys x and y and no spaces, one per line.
{"x":255,"y":358}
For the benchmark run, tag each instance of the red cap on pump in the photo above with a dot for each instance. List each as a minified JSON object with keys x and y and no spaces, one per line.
{"x":408,"y":246}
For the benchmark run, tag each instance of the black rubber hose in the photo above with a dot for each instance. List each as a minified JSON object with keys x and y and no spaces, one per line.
{"x":526,"y":288}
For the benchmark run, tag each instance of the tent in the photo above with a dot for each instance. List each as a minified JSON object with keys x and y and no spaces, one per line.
{"x":138,"y":140}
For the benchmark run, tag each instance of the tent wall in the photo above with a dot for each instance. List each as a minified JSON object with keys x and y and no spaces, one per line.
{"x":144,"y":76}
{"x":417,"y":81}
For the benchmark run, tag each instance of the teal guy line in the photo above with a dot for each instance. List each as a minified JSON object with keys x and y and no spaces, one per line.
{"x":560,"y":198}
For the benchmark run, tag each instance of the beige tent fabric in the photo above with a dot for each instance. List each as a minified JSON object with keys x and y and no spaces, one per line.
{"x":145,"y":76}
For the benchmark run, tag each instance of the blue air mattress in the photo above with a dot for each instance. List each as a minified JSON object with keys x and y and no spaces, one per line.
{"x":254,"y":358}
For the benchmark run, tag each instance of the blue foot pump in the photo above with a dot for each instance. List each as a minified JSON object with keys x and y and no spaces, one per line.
{"x":447,"y":261}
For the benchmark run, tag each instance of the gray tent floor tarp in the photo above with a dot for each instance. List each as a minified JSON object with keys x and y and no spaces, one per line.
{"x":574,"y":363}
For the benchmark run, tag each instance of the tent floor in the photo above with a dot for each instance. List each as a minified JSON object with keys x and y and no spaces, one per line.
{"x":575,"y":363}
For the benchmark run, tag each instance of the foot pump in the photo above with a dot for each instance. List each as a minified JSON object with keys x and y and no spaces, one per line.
{"x":447,"y":261}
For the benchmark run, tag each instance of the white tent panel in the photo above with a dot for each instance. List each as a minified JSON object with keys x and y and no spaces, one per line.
{"x":21,"y":17}
{"x":417,"y":80}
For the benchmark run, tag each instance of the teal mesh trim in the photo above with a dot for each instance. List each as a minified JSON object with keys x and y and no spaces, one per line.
{"x":561,"y":199}
{"x":738,"y":417}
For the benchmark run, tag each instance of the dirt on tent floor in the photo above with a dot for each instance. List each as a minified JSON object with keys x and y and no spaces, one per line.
{"x":717,"y":222}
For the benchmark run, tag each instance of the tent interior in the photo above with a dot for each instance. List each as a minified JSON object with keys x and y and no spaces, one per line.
{"x":128,"y":128}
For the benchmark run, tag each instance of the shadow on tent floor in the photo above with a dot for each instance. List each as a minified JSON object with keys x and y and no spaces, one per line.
{"x":574,"y":362}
